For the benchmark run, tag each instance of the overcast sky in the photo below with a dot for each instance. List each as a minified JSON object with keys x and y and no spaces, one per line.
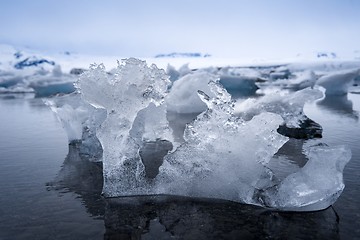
{"x":233,"y":28}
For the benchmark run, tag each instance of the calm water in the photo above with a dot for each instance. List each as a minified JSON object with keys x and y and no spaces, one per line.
{"x":48,"y":192}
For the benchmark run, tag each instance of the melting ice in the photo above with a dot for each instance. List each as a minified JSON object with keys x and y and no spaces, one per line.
{"x":225,"y":153}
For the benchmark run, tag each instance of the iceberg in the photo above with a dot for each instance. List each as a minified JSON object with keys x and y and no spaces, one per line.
{"x":337,"y":83}
{"x":239,"y":82}
{"x":302,"y":80}
{"x":315,"y":186}
{"x":225,"y":152}
{"x":51,"y":83}
{"x":183,"y":97}
{"x":176,"y":74}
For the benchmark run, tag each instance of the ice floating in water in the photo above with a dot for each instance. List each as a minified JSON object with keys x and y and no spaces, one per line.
{"x":43,"y":82}
{"x":288,"y":105}
{"x":301,"y":80}
{"x":183,"y":97}
{"x":176,"y":74}
{"x":223,"y":155}
{"x":239,"y":82}
{"x":80,"y":121}
{"x":338,"y":83}
{"x":23,"y":73}
{"x":315,"y":186}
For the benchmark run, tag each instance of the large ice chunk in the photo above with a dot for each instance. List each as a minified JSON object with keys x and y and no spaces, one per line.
{"x":337,"y":83}
{"x":223,"y":156}
{"x":183,"y":97}
{"x":51,"y":83}
{"x":176,"y":74}
{"x":124,"y":93}
{"x":317,"y":185}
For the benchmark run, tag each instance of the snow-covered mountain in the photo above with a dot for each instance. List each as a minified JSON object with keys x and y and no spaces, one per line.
{"x":27,"y":71}
{"x":183,"y":55}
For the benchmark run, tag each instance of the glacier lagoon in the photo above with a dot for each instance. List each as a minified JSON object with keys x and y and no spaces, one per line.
{"x":78,"y":183}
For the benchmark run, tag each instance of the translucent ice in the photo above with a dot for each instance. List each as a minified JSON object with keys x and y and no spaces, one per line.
{"x":317,"y":185}
{"x":124,"y":93}
{"x":288,"y":105}
{"x":223,"y":155}
{"x":80,"y":121}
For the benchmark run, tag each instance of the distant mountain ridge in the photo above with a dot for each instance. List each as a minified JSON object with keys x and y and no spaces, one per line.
{"x":182,"y":55}
{"x":326,"y":55}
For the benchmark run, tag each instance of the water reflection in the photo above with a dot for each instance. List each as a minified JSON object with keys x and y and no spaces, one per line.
{"x":289,"y":159}
{"x":164,"y":217}
{"x":11,"y":96}
{"x":339,"y":105}
{"x":83,"y":177}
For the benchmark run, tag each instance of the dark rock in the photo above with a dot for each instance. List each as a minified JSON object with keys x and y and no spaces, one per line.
{"x":260,"y":80}
{"x":280,"y":73}
{"x":326,"y":55}
{"x":18,"y":55}
{"x":308,"y":129}
{"x":77,"y":71}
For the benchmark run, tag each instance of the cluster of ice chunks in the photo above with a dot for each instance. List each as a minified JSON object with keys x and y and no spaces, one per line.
{"x":335,"y":78}
{"x":24,"y":73}
{"x":224,"y":155}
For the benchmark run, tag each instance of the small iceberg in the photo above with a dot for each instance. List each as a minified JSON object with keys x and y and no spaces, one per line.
{"x":226,"y":149}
